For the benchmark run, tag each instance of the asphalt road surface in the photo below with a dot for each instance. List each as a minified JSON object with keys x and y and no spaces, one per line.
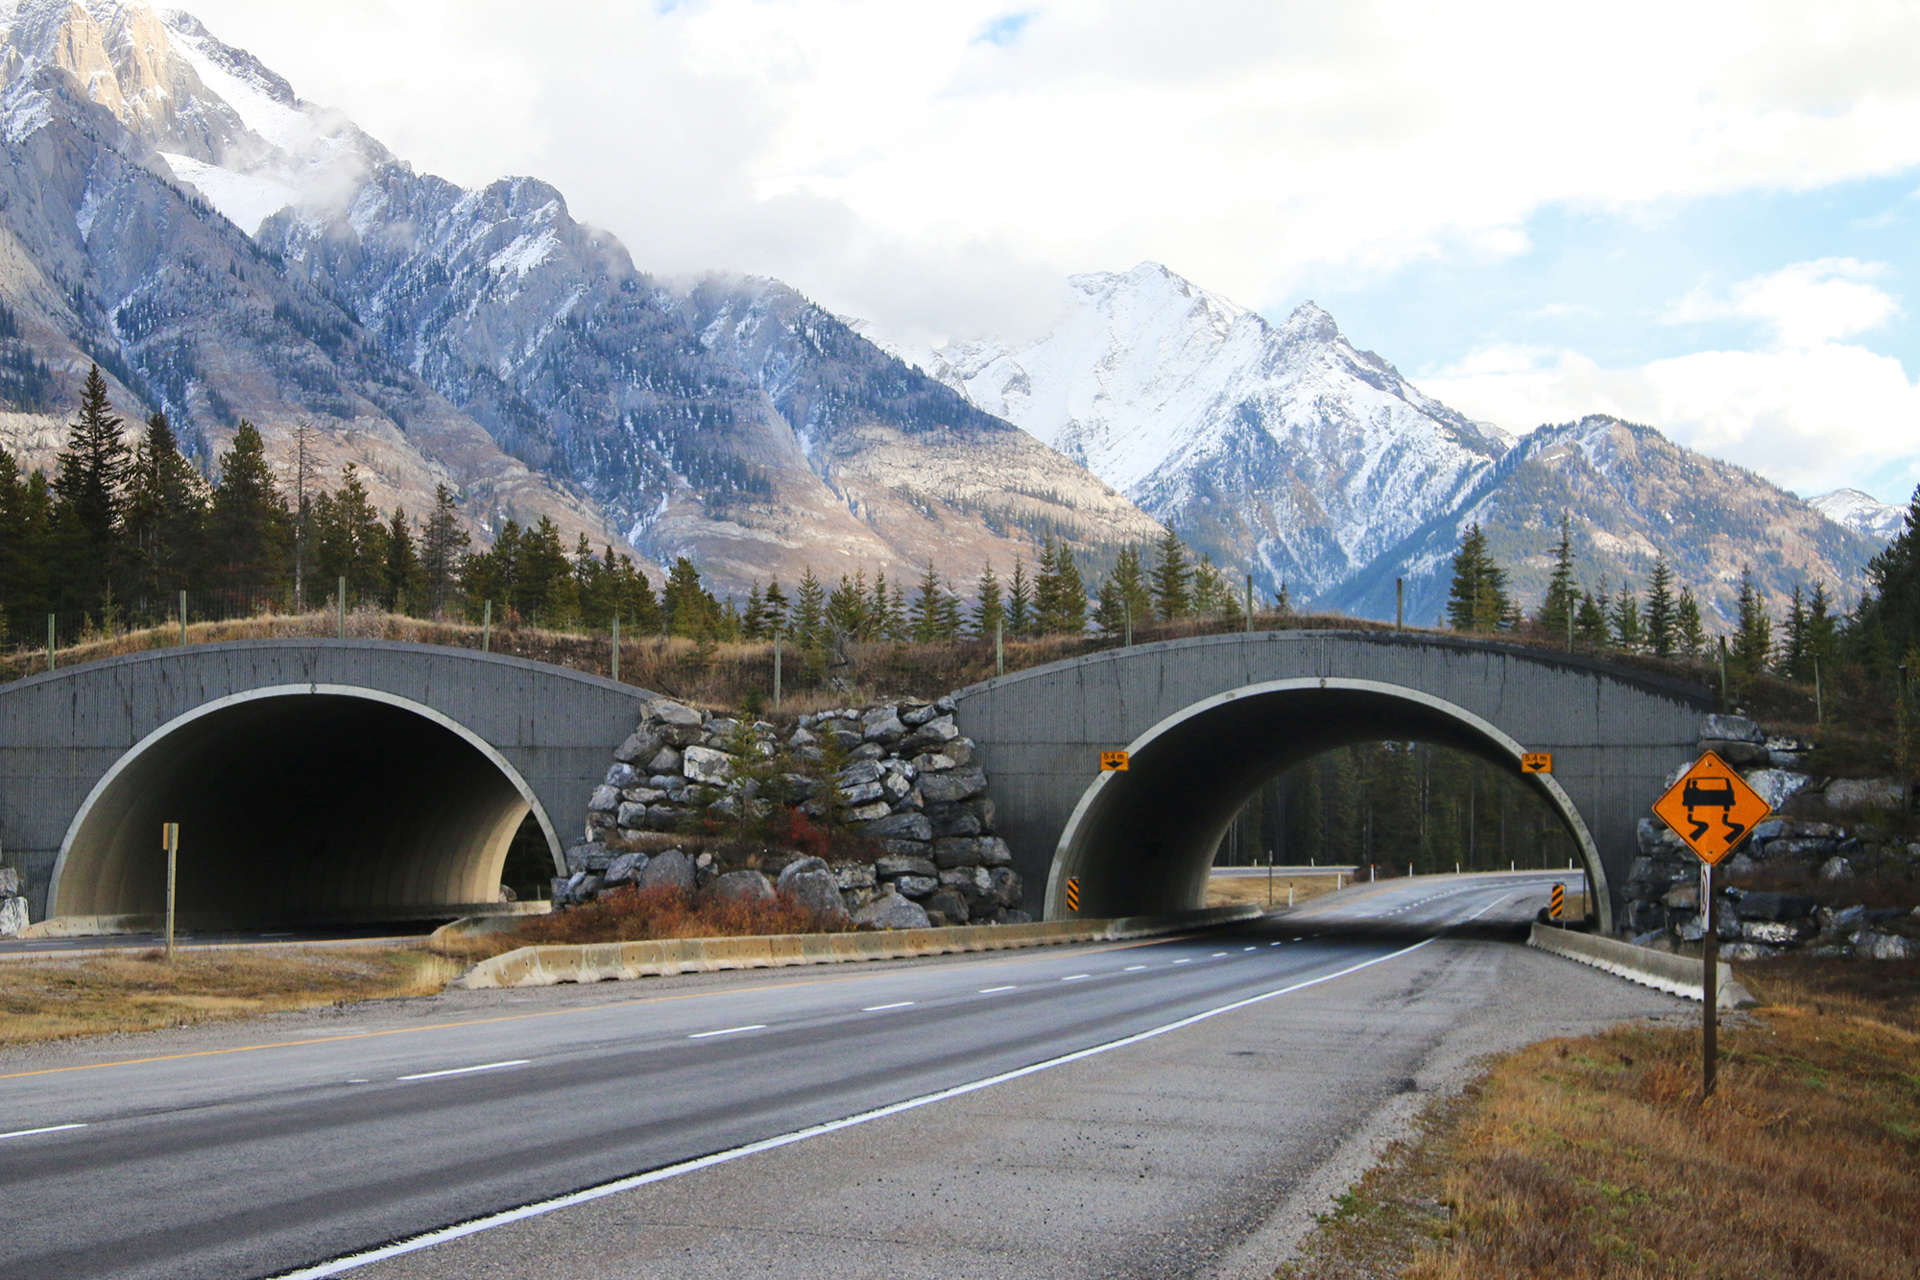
{"x":897,"y":1120}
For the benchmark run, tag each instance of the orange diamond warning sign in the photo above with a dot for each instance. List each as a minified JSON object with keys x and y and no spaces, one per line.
{"x":1712,"y":808}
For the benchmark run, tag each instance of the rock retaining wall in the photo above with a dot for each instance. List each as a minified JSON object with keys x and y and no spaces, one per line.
{"x":1822,"y":829}
{"x":899,"y":774}
{"x":13,"y":907}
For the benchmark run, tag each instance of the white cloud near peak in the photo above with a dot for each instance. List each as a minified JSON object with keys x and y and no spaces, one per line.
{"x":1803,"y":305}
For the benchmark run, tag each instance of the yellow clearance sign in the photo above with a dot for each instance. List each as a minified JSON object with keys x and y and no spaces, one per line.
{"x":1536,"y":762}
{"x":1113,"y":761}
{"x":1712,"y":808}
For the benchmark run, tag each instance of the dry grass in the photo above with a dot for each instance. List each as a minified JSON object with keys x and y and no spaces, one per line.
{"x":627,"y":915}
{"x":142,"y":991}
{"x":1589,"y":1156}
{"x":1229,"y":891}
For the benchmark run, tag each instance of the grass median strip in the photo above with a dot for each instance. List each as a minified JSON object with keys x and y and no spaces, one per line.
{"x":1589,"y":1156}
{"x":141,"y":991}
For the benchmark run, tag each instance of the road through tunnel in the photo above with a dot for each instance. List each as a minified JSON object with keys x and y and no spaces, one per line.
{"x":1145,"y":840}
{"x":295,"y":809}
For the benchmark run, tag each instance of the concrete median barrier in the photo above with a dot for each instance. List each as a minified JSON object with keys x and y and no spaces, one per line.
{"x":616,"y":961}
{"x":1661,"y":970}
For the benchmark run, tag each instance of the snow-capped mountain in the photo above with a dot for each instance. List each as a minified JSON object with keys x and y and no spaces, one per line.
{"x":1632,"y":496}
{"x":223,"y":248}
{"x":1281,"y":448}
{"x":1861,"y":513}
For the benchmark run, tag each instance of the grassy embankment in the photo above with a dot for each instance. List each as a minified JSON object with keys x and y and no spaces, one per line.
{"x":1589,"y":1156}
{"x":1229,"y":891}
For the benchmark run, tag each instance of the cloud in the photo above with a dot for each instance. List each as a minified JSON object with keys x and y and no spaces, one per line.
{"x":1803,"y":305}
{"x":1812,"y":418}
{"x":1243,"y":145}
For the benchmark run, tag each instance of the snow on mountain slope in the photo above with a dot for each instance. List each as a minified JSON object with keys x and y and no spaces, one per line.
{"x":1861,"y":513}
{"x":1279,"y":447}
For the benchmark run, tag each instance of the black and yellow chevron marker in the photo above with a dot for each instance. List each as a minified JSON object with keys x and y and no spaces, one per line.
{"x":1073,"y":893}
{"x":1557,"y":902}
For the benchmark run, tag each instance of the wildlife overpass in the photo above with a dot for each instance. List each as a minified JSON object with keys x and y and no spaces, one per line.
{"x":1207,"y":721}
{"x":314,"y":781}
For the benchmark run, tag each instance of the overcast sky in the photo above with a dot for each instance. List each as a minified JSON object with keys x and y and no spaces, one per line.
{"x":1700,"y":217}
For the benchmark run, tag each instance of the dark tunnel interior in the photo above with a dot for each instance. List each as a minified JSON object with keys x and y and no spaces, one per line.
{"x":297,"y":810}
{"x":1146,"y":841}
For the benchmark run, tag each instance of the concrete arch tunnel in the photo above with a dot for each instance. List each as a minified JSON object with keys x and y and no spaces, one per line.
{"x":1150,"y":835}
{"x":316,"y":782}
{"x":1208,"y":720}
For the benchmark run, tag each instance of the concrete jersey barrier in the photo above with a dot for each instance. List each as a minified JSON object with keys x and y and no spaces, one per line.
{"x":616,"y":961}
{"x":1661,"y":970}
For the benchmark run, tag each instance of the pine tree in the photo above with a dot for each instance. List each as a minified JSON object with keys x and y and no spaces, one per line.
{"x":1020,"y":602}
{"x":166,"y":514}
{"x":1211,"y":597}
{"x":776,"y":607}
{"x":989,"y":614}
{"x":1823,"y":642}
{"x":1894,"y":600}
{"x":847,"y":606}
{"x":1477,"y":599}
{"x":690,"y":609}
{"x":351,"y":538}
{"x":1124,"y":594}
{"x":1628,"y":635}
{"x":26,"y":532}
{"x":1753,"y":637}
{"x":1690,"y":635}
{"x":442,"y":545}
{"x":87,"y":485}
{"x":250,"y":529}
{"x":1590,"y":621}
{"x":925,"y":614}
{"x":488,"y":577}
{"x":1070,"y":595}
{"x":402,"y":576}
{"x":1795,"y":659}
{"x":810,"y":613}
{"x":1660,"y":607}
{"x":753,"y":623}
{"x":1170,"y":577}
{"x":1562,"y":598}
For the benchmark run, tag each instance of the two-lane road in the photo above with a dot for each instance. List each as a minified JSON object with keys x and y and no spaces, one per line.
{"x":242,"y":1159}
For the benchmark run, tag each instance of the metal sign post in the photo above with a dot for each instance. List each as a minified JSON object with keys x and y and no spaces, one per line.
{"x":776,"y":670}
{"x":170,"y":841}
{"x":1712,"y":809}
{"x":616,"y":648}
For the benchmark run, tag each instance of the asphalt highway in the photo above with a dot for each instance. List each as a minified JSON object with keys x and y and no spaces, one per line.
{"x":274,"y":1156}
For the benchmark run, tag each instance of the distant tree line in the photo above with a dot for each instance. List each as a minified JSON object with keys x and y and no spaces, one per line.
{"x":1881,"y":634}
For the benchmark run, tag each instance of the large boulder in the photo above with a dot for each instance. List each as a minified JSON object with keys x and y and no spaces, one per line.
{"x":891,"y":911}
{"x":672,"y":870}
{"x":815,"y":890}
{"x":674,"y":713}
{"x":946,"y":788}
{"x":13,"y":916}
{"x":639,"y":748}
{"x":603,"y":800}
{"x":1855,"y":794}
{"x":588,"y":856}
{"x":949,"y":905}
{"x":1775,"y":906}
{"x":704,"y":764}
{"x":898,"y":865}
{"x":620,"y":774}
{"x":1870,"y":944}
{"x":9,"y":882}
{"x":853,"y":875}
{"x":915,"y":886}
{"x":624,"y":869}
{"x":742,"y":886}
{"x":900,"y":826}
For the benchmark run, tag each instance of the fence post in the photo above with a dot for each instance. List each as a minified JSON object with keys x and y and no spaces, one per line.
{"x":776,"y":668}
{"x":1250,"y":609}
{"x":50,"y":662}
{"x":341,"y":602}
{"x":616,"y":648}
{"x":1399,"y":604}
{"x":170,"y":841}
{"x":1000,"y":646}
{"x":486,"y":629}
{"x":183,"y":617}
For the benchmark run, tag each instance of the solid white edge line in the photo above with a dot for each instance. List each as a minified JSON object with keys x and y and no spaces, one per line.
{"x":28,"y":1133}
{"x":987,"y":991}
{"x":727,"y":1031}
{"x":462,"y":1071}
{"x":1133,"y":968}
{"x":1078,"y":977}
{"x":876,"y":1008}
{"x":586,"y":1196}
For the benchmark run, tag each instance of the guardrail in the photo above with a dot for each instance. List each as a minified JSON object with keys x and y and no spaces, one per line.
{"x":613,"y":961}
{"x":1662,"y":970}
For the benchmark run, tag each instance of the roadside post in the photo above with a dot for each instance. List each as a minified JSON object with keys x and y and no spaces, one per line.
{"x":1557,"y":903}
{"x":776,"y":668}
{"x":170,"y":841}
{"x":1713,"y":810}
{"x":1073,"y":894}
{"x":615,"y":649}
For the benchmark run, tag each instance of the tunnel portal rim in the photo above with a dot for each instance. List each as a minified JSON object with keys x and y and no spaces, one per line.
{"x":160,"y":733}
{"x":1602,"y":902}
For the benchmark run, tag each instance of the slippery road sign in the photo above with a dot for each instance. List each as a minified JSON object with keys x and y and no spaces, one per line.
{"x":1712,"y":808}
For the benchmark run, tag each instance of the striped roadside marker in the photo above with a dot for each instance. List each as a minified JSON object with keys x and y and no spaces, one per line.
{"x":1073,"y":893}
{"x":1557,"y":902}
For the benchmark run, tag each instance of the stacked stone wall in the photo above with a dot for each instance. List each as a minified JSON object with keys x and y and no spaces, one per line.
{"x":13,"y":906}
{"x":898,"y":775}
{"x":1831,"y":832}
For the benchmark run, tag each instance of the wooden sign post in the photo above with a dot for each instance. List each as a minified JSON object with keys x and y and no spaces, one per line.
{"x":170,"y":841}
{"x":1712,"y":809}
